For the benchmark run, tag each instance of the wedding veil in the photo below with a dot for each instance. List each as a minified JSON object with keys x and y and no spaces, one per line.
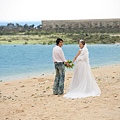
{"x":85,"y":52}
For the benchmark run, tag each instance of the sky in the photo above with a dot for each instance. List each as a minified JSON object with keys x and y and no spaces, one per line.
{"x":37,"y":10}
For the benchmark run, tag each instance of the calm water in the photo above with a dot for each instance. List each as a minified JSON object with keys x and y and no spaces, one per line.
{"x":32,"y":60}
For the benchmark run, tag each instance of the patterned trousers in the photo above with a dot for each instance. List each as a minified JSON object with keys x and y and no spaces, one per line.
{"x":58,"y":87}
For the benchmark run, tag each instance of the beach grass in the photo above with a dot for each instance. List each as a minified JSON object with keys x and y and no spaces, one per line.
{"x":31,"y":39}
{"x":69,"y":38}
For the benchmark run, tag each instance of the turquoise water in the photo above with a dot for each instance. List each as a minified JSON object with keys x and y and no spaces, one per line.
{"x":18,"y":61}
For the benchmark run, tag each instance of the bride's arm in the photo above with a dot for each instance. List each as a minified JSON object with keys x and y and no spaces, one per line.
{"x":76,"y":55}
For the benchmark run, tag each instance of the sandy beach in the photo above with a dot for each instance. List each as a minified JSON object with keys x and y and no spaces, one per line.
{"x":32,"y":99}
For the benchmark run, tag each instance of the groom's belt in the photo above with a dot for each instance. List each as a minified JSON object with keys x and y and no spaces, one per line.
{"x":59,"y":62}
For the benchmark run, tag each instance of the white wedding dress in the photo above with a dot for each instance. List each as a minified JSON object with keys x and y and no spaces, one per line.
{"x":83,"y":83}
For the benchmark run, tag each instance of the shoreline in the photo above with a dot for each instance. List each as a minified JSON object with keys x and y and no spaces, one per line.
{"x":32,"y":98}
{"x":44,"y":74}
{"x":22,"y":43}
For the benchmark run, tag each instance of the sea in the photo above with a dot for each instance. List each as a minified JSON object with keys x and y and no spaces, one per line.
{"x":27,"y":61}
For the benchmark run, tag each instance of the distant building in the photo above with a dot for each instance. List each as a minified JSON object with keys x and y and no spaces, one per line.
{"x":52,"y":25}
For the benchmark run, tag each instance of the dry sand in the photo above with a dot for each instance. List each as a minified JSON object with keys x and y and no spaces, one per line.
{"x":32,"y":99}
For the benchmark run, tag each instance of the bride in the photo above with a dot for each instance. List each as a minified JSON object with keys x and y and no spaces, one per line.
{"x":83,"y":83}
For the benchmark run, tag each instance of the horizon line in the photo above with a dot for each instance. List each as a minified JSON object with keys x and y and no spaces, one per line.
{"x":57,"y":19}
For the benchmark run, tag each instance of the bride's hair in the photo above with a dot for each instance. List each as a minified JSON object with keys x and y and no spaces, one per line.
{"x":82,"y":41}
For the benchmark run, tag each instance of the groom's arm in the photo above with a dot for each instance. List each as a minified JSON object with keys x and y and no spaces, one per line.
{"x":62,"y":56}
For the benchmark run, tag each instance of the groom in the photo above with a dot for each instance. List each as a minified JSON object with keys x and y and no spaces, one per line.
{"x":59,"y":62}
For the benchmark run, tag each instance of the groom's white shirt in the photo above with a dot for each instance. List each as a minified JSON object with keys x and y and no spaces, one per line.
{"x":58,"y":54}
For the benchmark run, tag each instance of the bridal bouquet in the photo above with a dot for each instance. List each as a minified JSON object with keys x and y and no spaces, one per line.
{"x":70,"y":64}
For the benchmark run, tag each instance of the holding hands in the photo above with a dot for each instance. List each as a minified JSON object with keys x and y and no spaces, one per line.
{"x":69,"y":64}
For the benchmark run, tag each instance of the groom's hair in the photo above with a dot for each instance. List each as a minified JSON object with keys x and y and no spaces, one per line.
{"x":58,"y":40}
